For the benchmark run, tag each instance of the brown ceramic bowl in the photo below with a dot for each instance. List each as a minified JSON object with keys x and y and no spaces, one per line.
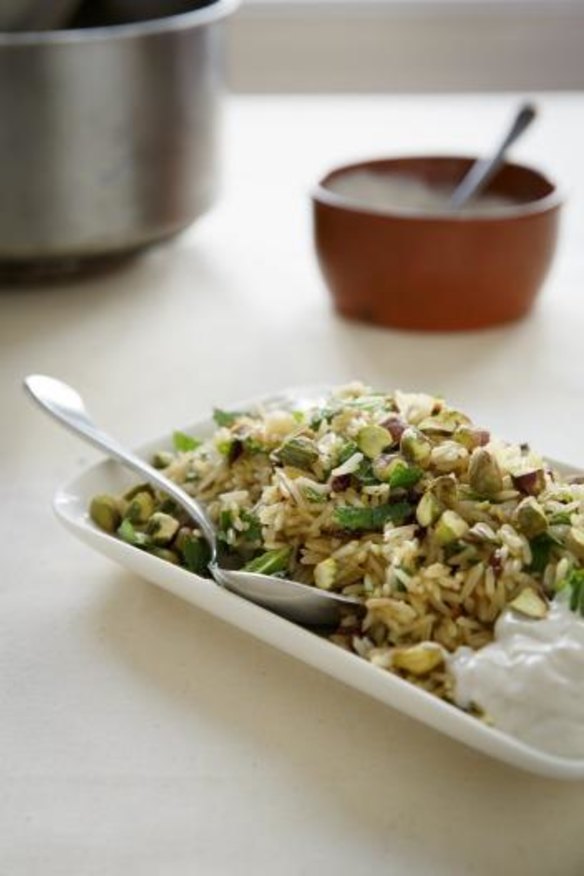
{"x":416,"y":270}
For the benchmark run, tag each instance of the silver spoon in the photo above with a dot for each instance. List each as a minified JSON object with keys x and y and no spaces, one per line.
{"x":298,"y":602}
{"x":484,"y":169}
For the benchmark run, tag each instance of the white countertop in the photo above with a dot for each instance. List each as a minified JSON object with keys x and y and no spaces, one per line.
{"x":137,"y":734}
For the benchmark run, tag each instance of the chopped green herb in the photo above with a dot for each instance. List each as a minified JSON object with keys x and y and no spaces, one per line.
{"x":317,"y":417}
{"x":347,"y":451}
{"x":314,"y":495}
{"x":575,"y":581}
{"x":298,"y":416}
{"x":252,"y":445}
{"x":541,"y":548}
{"x":128,"y":533}
{"x":183,"y":443}
{"x":404,"y":476}
{"x":365,"y":474}
{"x":226,"y":418}
{"x":254,"y":529}
{"x":196,"y":554}
{"x":562,"y":518}
{"x":225,"y":524}
{"x":224,"y":447}
{"x":270,"y":562}
{"x":371,"y":519}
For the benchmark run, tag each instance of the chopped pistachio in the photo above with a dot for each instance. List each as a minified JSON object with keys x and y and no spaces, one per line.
{"x":165,"y":554}
{"x":140,"y":508}
{"x":530,"y":603}
{"x":530,"y":518}
{"x":437,"y":425}
{"x":162,"y":459}
{"x":482,"y":533}
{"x":104,"y":512}
{"x":396,"y":426}
{"x":471,"y":437}
{"x":429,"y":510}
{"x":391,"y":469}
{"x":449,"y":456}
{"x":372,"y":440}
{"x":575,"y":542}
{"x":415,"y":446}
{"x":138,"y":488}
{"x":299,"y":452}
{"x":383,"y":465}
{"x":162,"y":528}
{"x":530,"y":482}
{"x":450,"y":527}
{"x":484,"y":473}
{"x":418,"y":659}
{"x":325,"y":573}
{"x":445,"y":489}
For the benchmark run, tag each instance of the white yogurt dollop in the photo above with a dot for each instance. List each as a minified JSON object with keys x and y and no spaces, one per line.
{"x":530,"y":679}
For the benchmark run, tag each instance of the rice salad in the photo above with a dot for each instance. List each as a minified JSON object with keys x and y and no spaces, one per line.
{"x":395,"y":499}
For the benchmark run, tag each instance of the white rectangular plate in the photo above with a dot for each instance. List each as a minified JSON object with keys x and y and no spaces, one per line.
{"x":71,"y":503}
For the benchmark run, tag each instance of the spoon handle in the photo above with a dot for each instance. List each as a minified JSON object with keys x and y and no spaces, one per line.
{"x":64,"y":404}
{"x":483,"y":170}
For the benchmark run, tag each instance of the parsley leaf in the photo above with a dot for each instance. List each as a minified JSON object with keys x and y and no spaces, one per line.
{"x":183,"y":443}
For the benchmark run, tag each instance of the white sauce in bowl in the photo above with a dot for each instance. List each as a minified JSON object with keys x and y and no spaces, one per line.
{"x":530,"y":679}
{"x":388,"y":192}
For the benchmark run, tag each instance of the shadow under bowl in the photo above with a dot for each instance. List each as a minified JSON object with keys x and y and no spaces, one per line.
{"x":434,"y":271}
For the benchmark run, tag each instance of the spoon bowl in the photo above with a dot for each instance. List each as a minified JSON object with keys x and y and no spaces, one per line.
{"x":291,"y":599}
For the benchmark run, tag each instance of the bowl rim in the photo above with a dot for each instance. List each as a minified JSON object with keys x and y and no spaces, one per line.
{"x":181,"y":21}
{"x":320,"y":194}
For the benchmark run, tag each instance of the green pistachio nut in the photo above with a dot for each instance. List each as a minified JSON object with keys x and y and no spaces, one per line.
{"x":297,"y":452}
{"x":470,"y":436}
{"x":445,"y":490}
{"x":415,"y":446}
{"x":162,"y":459}
{"x":141,"y":508}
{"x":325,"y":573}
{"x":138,"y":488}
{"x":429,"y":510}
{"x":575,"y":542}
{"x":104,"y":512}
{"x":450,"y":527}
{"x":484,"y":473}
{"x":372,"y":440}
{"x":166,"y":555}
{"x":529,"y":518}
{"x":162,"y":528}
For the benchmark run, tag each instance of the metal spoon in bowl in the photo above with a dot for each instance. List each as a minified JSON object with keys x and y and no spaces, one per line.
{"x":298,"y":602}
{"x":484,"y":169}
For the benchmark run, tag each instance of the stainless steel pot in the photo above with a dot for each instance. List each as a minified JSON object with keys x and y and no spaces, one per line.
{"x":108,"y":139}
